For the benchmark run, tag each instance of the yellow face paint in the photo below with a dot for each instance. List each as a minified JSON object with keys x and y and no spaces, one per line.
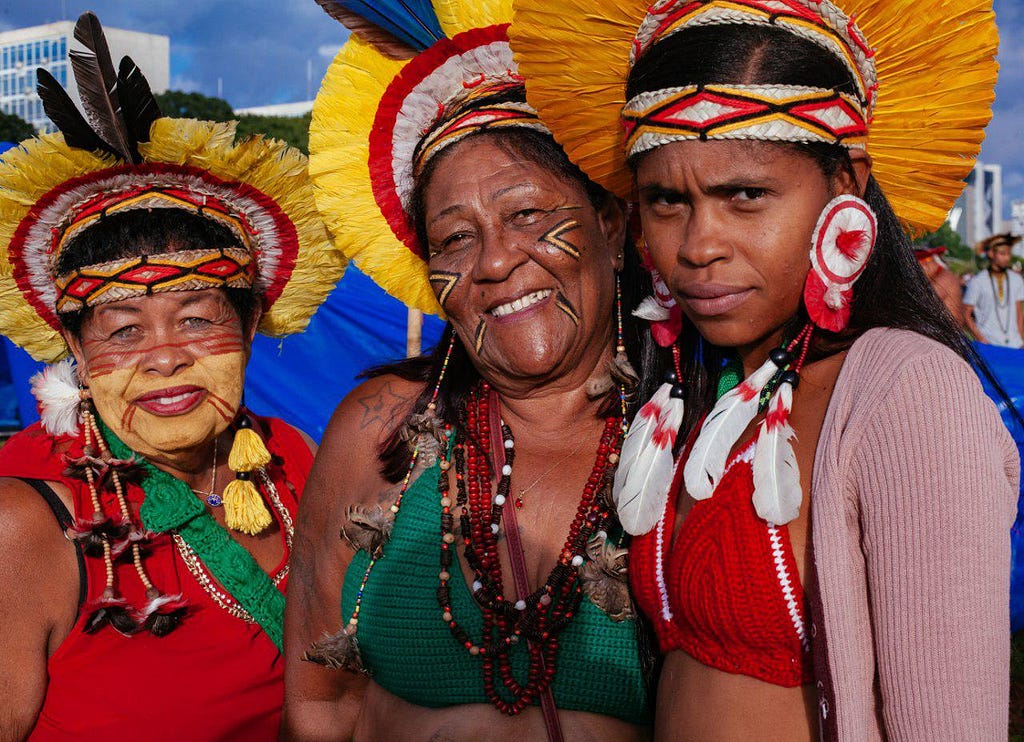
{"x":160,"y":417}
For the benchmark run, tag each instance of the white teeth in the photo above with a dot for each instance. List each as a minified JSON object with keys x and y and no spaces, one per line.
{"x":521,"y":303}
{"x":175,"y":399}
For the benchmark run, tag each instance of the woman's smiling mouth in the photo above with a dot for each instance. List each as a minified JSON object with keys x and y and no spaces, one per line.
{"x":173,"y":401}
{"x":518,"y":305}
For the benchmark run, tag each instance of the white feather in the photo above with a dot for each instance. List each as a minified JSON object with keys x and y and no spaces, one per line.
{"x":777,"y":492}
{"x":57,"y":391}
{"x":646,"y":463}
{"x":722,"y":428}
{"x":651,"y":310}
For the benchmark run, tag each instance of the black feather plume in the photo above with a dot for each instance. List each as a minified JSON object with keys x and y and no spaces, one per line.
{"x":138,"y":105}
{"x":97,"y":86}
{"x":65,"y":115}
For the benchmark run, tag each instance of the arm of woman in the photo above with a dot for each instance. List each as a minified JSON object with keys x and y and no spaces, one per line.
{"x":38,"y":601}
{"x":323,"y":704}
{"x":936,"y":477}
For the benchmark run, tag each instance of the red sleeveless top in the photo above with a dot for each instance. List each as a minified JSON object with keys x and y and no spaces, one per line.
{"x":727,"y":592}
{"x":214,"y":677}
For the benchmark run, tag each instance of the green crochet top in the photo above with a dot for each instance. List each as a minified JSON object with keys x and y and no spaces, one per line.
{"x":410,"y":652}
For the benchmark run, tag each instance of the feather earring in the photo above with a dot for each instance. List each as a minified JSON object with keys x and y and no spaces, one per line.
{"x":723,"y":426}
{"x":777,"y":491}
{"x":646,"y":462}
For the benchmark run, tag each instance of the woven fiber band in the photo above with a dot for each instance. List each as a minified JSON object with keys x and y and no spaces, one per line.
{"x":148,"y":196}
{"x":785,"y":113}
{"x":128,"y":278}
{"x":471,"y":121}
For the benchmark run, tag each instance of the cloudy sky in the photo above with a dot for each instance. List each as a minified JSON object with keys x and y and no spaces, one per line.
{"x":276,"y":51}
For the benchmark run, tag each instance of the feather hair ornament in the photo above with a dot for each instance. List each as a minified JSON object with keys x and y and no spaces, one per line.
{"x":98,"y":86}
{"x":646,"y":462}
{"x":777,"y":492}
{"x":59,"y":395}
{"x":731,"y":415}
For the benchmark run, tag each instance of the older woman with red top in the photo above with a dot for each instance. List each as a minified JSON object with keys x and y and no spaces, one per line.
{"x":816,"y":557}
{"x":148,"y":517}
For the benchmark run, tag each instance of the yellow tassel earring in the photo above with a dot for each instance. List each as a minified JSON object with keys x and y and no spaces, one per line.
{"x":244,"y":509}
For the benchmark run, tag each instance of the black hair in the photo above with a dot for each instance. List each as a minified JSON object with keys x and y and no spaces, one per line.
{"x":461,"y":376}
{"x":149,"y":232}
{"x":893,"y":290}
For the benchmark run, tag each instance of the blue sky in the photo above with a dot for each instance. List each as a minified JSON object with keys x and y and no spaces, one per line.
{"x":276,"y":51}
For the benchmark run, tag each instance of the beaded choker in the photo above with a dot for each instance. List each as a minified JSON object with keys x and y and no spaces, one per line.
{"x":540,"y":616}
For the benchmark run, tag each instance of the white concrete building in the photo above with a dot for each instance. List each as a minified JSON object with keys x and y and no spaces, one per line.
{"x":25,"y":49}
{"x":288,"y":110}
{"x":978,"y":213}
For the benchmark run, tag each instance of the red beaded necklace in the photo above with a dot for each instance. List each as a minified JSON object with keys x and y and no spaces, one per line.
{"x":541,"y":616}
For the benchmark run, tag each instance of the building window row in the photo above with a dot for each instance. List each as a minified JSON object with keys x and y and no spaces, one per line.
{"x":33,"y":53}
{"x":25,"y":82}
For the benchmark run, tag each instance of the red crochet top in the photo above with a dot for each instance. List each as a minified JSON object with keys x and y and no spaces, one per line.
{"x":727,"y":592}
{"x":214,"y":677}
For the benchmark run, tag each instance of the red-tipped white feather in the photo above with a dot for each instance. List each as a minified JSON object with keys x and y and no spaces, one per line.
{"x":644,"y":476}
{"x":722,"y":428}
{"x":777,"y":492}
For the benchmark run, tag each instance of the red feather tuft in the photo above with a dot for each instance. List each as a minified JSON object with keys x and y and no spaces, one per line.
{"x":851,"y":242}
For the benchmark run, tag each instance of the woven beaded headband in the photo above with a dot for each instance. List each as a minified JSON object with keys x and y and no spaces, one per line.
{"x":94,"y":208}
{"x":186,"y":270}
{"x":780,"y":113}
{"x":785,"y":113}
{"x":467,"y":118}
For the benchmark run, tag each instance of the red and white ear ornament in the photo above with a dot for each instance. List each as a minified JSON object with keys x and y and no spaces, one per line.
{"x":661,"y":310}
{"x":840,"y":246}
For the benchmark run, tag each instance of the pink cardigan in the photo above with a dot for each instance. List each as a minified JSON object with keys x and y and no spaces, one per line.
{"x":913,"y":495}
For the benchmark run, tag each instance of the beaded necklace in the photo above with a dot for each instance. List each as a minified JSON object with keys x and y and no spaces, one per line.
{"x":541,"y":616}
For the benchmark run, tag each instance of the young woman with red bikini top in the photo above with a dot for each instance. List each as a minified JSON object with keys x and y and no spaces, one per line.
{"x":814,"y":563}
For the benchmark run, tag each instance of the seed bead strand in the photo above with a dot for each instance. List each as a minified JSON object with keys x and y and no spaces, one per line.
{"x":540,"y":616}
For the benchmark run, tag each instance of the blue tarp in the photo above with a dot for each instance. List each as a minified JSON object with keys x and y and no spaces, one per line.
{"x":1008,"y":366}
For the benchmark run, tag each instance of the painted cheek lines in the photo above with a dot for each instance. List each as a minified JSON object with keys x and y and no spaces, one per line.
{"x":481,"y":331}
{"x":554,"y":238}
{"x":104,"y":363}
{"x":220,"y":405}
{"x":566,"y":306}
{"x":443,"y":283}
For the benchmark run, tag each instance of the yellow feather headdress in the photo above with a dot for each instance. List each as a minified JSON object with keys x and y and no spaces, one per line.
{"x":125,"y":150}
{"x":934,"y":61}
{"x":377,"y":112}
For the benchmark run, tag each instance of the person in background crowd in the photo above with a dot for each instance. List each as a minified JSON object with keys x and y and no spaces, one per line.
{"x":995,"y":297}
{"x":944,"y":281}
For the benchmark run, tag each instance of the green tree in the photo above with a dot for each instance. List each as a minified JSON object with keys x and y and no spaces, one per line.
{"x":178,"y":104}
{"x":291,"y":129}
{"x":13,"y":128}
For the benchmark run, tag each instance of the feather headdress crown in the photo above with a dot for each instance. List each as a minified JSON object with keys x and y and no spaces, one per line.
{"x":121,"y":155}
{"x":413,"y":80}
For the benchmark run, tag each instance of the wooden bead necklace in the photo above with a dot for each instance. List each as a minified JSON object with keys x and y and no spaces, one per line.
{"x":541,"y":616}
